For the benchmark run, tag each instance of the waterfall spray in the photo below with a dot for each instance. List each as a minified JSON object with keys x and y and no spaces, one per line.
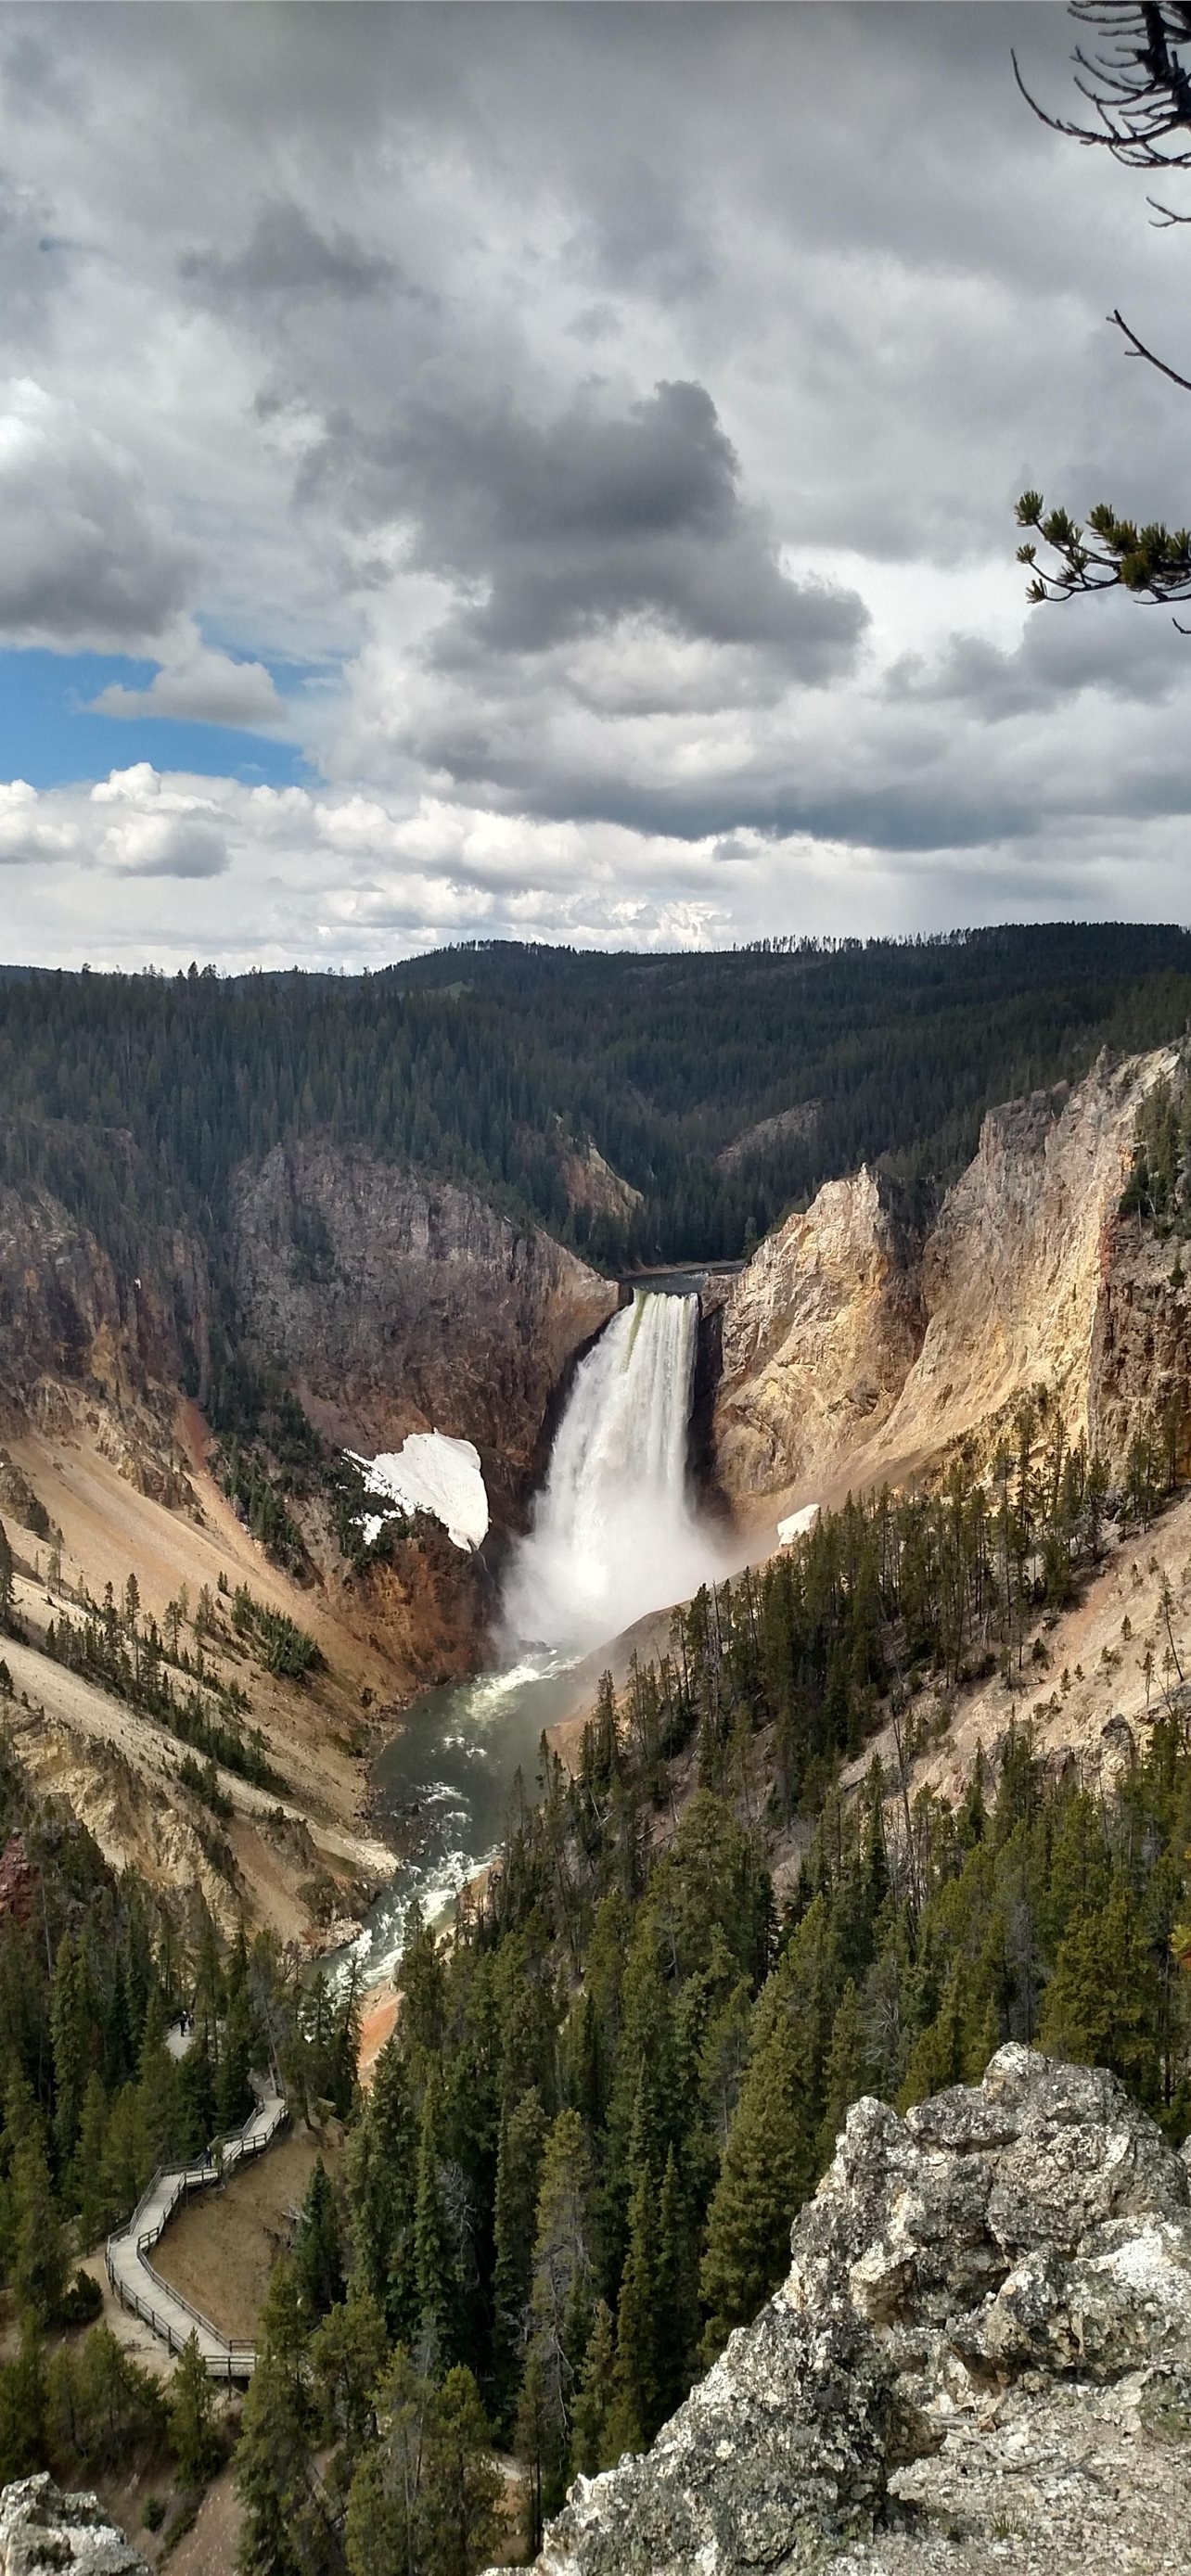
{"x":614,"y":1532}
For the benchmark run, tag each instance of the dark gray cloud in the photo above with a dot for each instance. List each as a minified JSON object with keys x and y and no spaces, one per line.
{"x":591,"y":518}
{"x":88,"y":557}
{"x":1066,"y":648}
{"x":287,"y":258}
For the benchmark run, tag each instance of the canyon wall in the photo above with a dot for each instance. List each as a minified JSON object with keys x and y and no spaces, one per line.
{"x":848,"y":1359}
{"x":398,"y":1304}
{"x":818,"y":1334}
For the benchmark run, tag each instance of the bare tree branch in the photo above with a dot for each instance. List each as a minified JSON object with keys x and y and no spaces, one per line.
{"x":1135,"y":82}
{"x":1138,"y":349}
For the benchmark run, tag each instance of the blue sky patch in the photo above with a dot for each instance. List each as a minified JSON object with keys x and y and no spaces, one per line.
{"x":48,"y":737}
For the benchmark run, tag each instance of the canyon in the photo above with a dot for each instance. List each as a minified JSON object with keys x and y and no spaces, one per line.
{"x":850,"y":1350}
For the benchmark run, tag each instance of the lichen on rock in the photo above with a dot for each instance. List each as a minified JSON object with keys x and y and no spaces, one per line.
{"x":42,"y":2530}
{"x":999,"y":2283}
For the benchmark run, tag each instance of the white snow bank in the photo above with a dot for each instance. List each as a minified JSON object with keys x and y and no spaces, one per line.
{"x":797,"y":1525}
{"x":430,"y":1473}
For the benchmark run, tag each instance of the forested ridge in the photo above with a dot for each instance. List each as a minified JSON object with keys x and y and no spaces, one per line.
{"x":135,"y":1097}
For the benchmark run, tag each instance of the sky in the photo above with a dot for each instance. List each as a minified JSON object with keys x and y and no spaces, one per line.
{"x":548,"y":472}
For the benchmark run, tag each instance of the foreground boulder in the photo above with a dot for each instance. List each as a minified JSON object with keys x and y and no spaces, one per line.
{"x":981,"y":2359}
{"x":42,"y":2530}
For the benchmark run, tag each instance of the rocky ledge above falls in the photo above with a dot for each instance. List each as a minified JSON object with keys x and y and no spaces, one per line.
{"x":981,"y":2359}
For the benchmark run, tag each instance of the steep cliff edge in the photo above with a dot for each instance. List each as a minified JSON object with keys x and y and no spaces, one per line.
{"x":79,"y":1343}
{"x":819,"y":1333}
{"x":847,"y":1361}
{"x":399,"y":1304}
{"x":981,"y":2355}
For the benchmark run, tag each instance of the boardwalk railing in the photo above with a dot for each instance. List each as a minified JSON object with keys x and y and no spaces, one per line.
{"x":138,"y":2287}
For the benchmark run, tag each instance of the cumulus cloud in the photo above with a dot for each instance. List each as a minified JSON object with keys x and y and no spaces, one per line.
{"x":159,"y":829}
{"x":562,"y":529}
{"x":621,"y":414}
{"x":201,"y":686}
{"x":29,"y":834}
{"x":87,"y":558}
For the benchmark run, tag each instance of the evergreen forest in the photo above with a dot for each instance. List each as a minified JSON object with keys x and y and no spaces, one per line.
{"x":612,"y":2085}
{"x":135,"y":1097}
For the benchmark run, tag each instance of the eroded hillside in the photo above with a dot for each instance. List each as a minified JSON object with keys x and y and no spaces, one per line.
{"x":384,"y":1305}
{"x":850,"y":1356}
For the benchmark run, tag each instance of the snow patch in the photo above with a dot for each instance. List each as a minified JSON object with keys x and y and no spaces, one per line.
{"x":430,"y":1473}
{"x":797,"y":1525}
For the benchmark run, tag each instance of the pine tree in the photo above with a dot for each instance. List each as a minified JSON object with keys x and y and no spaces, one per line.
{"x":381,"y":2192}
{"x":385,"y":2526}
{"x":560,"y":2306}
{"x":677,"y":2294}
{"x":847,"y":2072}
{"x":460,"y":2483}
{"x":125,"y":2169}
{"x":765,"y":2175}
{"x":590,"y":2451}
{"x":23,"y":2407}
{"x":193,"y":2440}
{"x":434,"y":2252}
{"x":1102,"y":2005}
{"x":197,"y":2115}
{"x":317,"y":2254}
{"x":346,"y":2358}
{"x":88,"y":2185}
{"x":271,"y":2471}
{"x":157,"y":2102}
{"x":39,"y":2259}
{"x":70,"y":2020}
{"x":518,"y":2178}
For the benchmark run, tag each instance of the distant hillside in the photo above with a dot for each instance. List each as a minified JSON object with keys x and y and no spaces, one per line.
{"x":135,"y":1098}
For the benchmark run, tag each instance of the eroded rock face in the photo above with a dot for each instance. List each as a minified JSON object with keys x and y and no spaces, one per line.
{"x":818,"y":1334}
{"x":848,"y":1361}
{"x":43,"y":2532}
{"x":67,"y":1312}
{"x":398,"y":1304}
{"x":994,"y":2277}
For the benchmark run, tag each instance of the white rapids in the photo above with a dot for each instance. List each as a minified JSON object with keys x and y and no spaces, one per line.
{"x":614,"y":1532}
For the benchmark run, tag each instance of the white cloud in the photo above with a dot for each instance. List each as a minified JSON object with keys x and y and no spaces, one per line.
{"x":201,"y":686}
{"x":358,"y":362}
{"x":326,"y":879}
{"x":28,"y":833}
{"x":159,"y":828}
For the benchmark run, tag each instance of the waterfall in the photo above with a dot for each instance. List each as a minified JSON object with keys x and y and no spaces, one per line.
{"x":614,"y":1533}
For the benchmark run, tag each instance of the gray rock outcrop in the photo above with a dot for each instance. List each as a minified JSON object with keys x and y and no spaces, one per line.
{"x":42,"y":2530}
{"x":981,"y":2357}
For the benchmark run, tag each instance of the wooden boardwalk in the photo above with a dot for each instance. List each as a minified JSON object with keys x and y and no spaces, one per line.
{"x":136,"y":2284}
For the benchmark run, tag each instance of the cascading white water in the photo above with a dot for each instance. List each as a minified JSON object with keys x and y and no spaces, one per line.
{"x":614,"y":1534}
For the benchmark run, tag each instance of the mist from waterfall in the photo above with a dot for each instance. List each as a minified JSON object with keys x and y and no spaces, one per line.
{"x":614,"y":1532}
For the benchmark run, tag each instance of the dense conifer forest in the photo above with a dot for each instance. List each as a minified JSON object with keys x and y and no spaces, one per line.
{"x":613,"y":2083}
{"x":611,"y":2088}
{"x":134,"y":1097}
